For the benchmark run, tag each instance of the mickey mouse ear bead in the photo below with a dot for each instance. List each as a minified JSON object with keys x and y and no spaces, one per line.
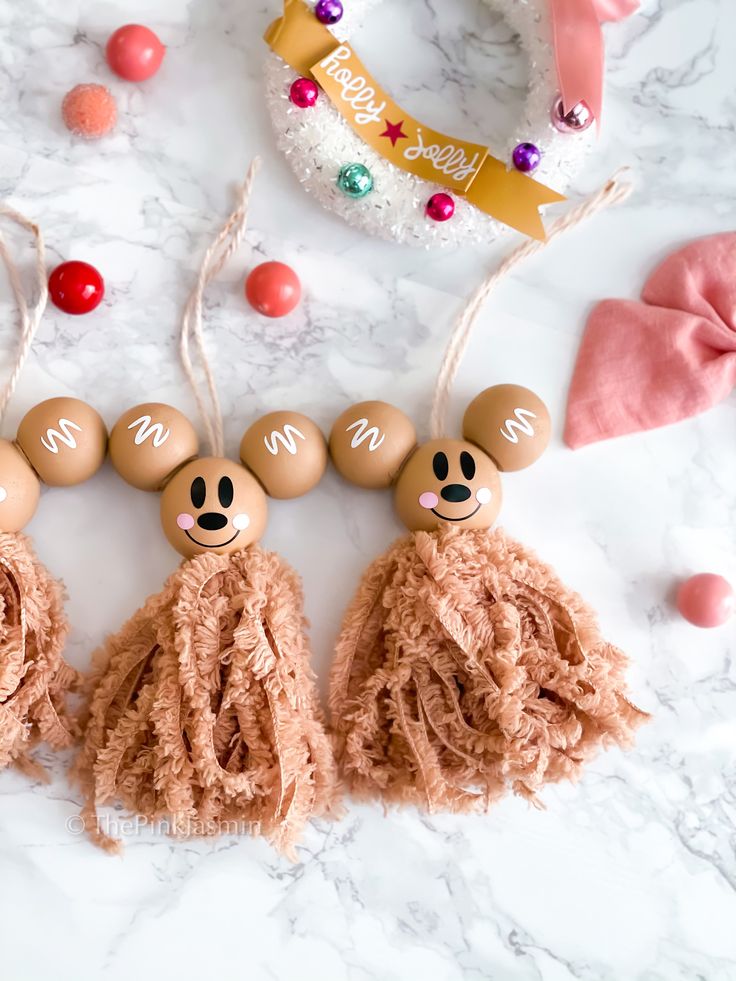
{"x":271,"y":447}
{"x":61,"y":442}
{"x":369,"y":443}
{"x":150,"y":442}
{"x":511,"y":423}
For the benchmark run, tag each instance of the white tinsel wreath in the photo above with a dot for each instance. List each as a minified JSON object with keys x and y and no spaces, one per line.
{"x":319,"y":142}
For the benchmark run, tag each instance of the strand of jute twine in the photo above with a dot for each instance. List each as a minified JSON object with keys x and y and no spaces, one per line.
{"x":614,"y":191}
{"x":29,"y":318}
{"x":225,"y":244}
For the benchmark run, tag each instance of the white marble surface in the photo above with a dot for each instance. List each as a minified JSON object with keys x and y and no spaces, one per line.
{"x":629,"y":875}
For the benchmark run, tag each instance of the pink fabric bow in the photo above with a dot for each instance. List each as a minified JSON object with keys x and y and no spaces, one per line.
{"x":579,"y":51}
{"x":646,"y":364}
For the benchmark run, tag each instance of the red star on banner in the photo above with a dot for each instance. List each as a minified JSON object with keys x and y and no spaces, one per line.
{"x":394,"y":132}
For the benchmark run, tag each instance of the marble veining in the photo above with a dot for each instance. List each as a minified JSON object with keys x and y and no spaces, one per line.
{"x":630,"y":874}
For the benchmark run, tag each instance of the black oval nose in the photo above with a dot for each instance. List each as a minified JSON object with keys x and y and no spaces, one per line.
{"x":456,"y":493}
{"x":212,"y":521}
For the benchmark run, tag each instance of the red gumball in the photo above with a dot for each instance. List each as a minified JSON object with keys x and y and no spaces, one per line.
{"x":76,"y":287}
{"x":273,"y":289}
{"x":134,"y":53}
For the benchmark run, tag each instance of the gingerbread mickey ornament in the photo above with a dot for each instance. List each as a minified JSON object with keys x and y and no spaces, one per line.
{"x":60,"y":442}
{"x":464,"y":667}
{"x":506,"y":427}
{"x":204,"y":711}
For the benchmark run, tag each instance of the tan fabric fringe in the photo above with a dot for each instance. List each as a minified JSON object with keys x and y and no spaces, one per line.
{"x":205,"y":714}
{"x":34,"y":678}
{"x":466,"y":669}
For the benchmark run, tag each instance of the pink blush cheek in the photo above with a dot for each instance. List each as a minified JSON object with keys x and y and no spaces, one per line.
{"x":428,"y":500}
{"x":185,"y":521}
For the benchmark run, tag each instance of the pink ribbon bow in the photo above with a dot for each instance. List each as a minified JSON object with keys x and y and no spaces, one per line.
{"x":579,"y":51}
{"x":646,"y":364}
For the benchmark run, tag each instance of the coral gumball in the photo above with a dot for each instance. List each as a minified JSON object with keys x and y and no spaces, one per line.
{"x":273,"y":289}
{"x":76,"y":287}
{"x":706,"y":600}
{"x":89,"y":111}
{"x":134,"y":52}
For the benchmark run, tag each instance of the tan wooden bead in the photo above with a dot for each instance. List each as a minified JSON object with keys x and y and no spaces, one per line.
{"x":149,"y":442}
{"x":20,"y":488}
{"x":510,"y":423}
{"x":287,"y":452}
{"x":64,"y":439}
{"x":448,"y":481}
{"x":213,"y":505}
{"x":369,"y":443}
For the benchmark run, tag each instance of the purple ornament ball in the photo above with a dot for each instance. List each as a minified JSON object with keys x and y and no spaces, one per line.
{"x":304,"y":93}
{"x":441,"y":207}
{"x":526,"y":157}
{"x":328,"y":11}
{"x":577,"y":120}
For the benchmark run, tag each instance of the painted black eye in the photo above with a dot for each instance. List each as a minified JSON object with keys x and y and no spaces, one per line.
{"x":225,"y":491}
{"x":467,"y":465}
{"x":198,"y":491}
{"x":440,"y":466}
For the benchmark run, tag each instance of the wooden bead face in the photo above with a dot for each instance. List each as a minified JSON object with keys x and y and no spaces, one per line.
{"x":149,"y":442}
{"x":369,"y":443}
{"x":213,"y":505}
{"x":448,"y":481}
{"x":65,"y":441}
{"x":19,"y":488}
{"x":510,"y":423}
{"x":287,"y":452}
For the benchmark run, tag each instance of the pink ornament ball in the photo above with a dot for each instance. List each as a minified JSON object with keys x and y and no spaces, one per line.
{"x":89,"y":111}
{"x":304,"y":93}
{"x":706,"y":600}
{"x":134,"y":52}
{"x":441,"y":207}
{"x":575,"y":120}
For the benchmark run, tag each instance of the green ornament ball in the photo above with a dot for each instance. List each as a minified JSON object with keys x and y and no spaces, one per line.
{"x":355,"y":180}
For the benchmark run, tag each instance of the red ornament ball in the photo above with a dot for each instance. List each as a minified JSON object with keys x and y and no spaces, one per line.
{"x":89,"y":111}
{"x":273,"y":289}
{"x":134,"y":52}
{"x":441,"y":207}
{"x":76,"y":287}
{"x":304,"y":93}
{"x":706,"y":600}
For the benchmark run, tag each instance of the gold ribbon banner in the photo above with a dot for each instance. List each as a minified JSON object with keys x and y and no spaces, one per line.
{"x":467,"y":169}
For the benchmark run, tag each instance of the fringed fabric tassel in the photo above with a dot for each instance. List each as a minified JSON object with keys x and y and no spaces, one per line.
{"x":466,"y":669}
{"x":34,"y":678}
{"x":205,"y":713}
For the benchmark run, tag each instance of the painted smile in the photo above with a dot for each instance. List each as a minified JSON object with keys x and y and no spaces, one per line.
{"x":216,"y":545}
{"x":464,"y":517}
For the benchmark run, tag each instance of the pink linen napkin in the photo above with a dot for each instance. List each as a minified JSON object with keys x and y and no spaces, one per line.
{"x":645,"y":364}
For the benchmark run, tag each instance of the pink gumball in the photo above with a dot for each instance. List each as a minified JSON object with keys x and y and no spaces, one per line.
{"x":134,"y":52}
{"x":706,"y":600}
